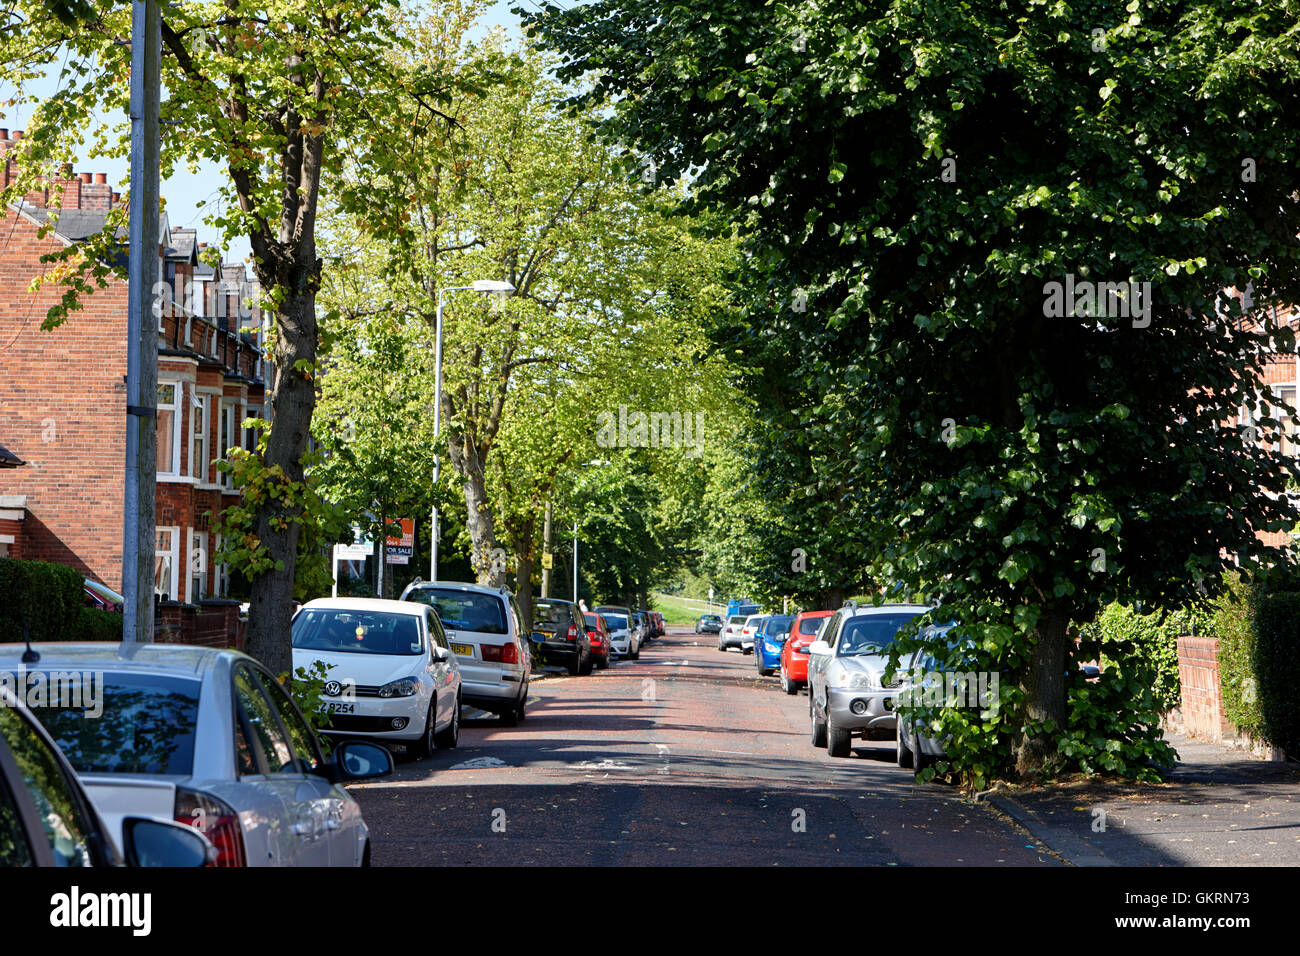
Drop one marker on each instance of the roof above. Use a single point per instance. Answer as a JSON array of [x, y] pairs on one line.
[[378, 605], [180, 659], [71, 225], [8, 459]]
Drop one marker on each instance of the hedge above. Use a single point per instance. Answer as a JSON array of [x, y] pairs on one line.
[[1146, 643], [1238, 685], [51, 595], [96, 625], [1276, 662]]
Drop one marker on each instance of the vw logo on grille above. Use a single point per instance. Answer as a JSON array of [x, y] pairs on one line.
[[333, 688]]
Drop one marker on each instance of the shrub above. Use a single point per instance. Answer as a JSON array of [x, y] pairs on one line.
[[1238, 684], [50, 597], [1276, 663], [96, 625], [1148, 642]]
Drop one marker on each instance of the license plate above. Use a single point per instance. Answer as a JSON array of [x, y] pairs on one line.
[[338, 707], [464, 650]]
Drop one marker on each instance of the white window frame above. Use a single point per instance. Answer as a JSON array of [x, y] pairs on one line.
[[227, 434], [174, 406], [200, 440], [221, 580], [173, 585]]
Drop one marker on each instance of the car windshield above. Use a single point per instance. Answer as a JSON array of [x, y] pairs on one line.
[[464, 610], [870, 633], [811, 625], [544, 612], [347, 631], [123, 723]]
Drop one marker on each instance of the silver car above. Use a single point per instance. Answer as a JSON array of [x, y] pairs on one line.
[[204, 737], [491, 643], [624, 635], [847, 696], [729, 636]]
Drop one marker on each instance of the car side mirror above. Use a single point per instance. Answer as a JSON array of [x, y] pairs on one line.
[[149, 842], [819, 648], [441, 653], [358, 760]]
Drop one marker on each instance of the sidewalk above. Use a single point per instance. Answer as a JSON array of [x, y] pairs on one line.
[[1219, 807]]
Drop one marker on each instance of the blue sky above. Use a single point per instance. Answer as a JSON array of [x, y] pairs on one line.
[[187, 195]]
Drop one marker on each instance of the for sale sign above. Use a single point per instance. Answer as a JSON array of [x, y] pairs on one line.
[[401, 550]]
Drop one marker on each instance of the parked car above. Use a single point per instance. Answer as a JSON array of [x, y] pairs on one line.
[[847, 696], [708, 624], [794, 654], [48, 819], [391, 675], [643, 625], [103, 598], [729, 636], [749, 632], [657, 628], [768, 642], [598, 634], [486, 632], [560, 633], [207, 738], [623, 634]]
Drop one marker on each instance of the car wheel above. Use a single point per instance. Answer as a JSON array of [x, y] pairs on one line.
[[919, 759], [837, 739], [634, 651], [446, 739], [588, 663], [602, 663], [787, 685], [746, 650], [722, 647], [520, 709], [818, 727], [575, 665], [902, 753], [365, 855], [424, 746]]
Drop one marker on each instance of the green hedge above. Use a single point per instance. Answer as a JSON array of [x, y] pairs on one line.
[[1276, 661], [1238, 685], [96, 625], [51, 595]]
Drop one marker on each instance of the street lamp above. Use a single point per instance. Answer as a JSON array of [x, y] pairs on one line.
[[498, 288]]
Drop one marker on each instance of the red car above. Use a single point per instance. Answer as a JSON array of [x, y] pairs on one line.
[[598, 631], [656, 624], [794, 655]]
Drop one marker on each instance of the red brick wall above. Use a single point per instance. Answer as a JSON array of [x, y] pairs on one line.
[[1202, 702], [63, 407]]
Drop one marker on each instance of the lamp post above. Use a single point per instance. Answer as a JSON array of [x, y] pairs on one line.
[[496, 287]]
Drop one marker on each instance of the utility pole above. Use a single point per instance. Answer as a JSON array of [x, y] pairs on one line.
[[139, 520], [546, 549], [575, 560]]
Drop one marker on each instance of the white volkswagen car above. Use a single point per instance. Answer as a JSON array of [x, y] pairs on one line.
[[390, 671], [204, 737]]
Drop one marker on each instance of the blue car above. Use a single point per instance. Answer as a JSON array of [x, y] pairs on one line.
[[769, 641]]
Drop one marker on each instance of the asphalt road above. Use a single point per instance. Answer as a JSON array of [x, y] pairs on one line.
[[684, 757]]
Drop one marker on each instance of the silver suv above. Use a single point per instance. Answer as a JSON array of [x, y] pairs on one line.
[[487, 635], [847, 695]]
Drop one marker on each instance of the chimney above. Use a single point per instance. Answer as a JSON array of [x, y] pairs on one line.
[[101, 177], [18, 134], [84, 177], [117, 198], [4, 133]]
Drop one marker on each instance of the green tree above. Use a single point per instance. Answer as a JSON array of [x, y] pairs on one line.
[[922, 175], [269, 93]]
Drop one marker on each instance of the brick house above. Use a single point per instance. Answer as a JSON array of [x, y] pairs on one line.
[[63, 400]]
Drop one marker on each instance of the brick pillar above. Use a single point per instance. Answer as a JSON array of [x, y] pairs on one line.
[[1202, 698]]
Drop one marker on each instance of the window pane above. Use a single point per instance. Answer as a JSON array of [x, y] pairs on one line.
[[139, 724], [65, 827], [261, 720]]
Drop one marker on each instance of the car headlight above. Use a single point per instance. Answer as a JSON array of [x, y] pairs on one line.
[[403, 687], [861, 681]]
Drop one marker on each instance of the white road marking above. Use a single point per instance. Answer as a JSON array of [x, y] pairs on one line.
[[478, 763]]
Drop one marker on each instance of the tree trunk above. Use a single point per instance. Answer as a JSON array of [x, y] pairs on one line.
[[1044, 689], [293, 399], [479, 519]]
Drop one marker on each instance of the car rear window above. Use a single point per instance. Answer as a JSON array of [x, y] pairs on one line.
[[345, 631], [811, 625], [592, 620], [739, 619], [544, 612], [144, 724], [614, 621], [775, 625], [464, 610]]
